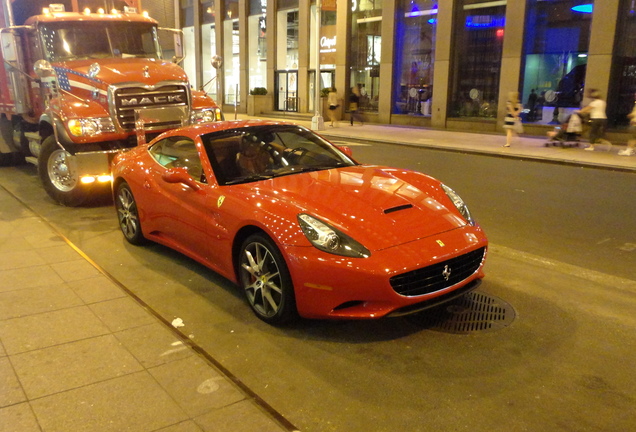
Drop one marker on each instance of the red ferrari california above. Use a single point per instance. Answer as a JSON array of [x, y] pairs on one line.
[[299, 225]]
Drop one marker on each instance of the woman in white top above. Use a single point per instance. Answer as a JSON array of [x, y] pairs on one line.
[[332, 101], [512, 121], [632, 130], [598, 119]]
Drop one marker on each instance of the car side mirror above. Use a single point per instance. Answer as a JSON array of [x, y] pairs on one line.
[[180, 175], [346, 150]]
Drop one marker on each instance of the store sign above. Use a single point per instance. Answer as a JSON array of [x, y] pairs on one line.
[[327, 45]]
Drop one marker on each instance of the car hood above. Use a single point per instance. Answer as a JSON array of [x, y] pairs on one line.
[[378, 206]]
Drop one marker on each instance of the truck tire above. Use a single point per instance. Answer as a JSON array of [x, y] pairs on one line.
[[9, 154], [58, 177]]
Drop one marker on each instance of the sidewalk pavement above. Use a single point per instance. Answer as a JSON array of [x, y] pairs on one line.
[[523, 147], [78, 352]]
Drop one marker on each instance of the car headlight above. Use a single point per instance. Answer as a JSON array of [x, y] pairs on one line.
[[91, 126], [207, 115], [328, 239], [459, 203]]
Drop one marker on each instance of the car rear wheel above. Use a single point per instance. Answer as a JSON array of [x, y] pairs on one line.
[[264, 277], [128, 215]]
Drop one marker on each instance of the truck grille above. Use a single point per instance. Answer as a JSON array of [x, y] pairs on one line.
[[128, 99], [438, 276]]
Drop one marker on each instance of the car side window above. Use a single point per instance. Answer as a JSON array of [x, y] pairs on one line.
[[177, 152]]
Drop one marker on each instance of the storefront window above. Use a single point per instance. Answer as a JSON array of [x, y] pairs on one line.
[[479, 34], [208, 48], [366, 43], [187, 24], [623, 79], [257, 44], [231, 62], [326, 47], [414, 57], [286, 79], [555, 57]]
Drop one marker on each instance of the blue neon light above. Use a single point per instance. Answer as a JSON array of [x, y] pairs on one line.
[[585, 8], [485, 21]]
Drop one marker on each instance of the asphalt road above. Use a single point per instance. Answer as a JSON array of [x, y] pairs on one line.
[[562, 256]]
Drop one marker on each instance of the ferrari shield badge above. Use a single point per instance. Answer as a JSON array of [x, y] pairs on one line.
[[219, 202]]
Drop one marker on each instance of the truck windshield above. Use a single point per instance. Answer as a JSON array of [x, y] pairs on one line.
[[94, 40]]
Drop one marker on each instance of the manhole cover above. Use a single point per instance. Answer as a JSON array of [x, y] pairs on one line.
[[474, 312]]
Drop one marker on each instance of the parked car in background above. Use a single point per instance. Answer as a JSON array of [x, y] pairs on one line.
[[297, 223]]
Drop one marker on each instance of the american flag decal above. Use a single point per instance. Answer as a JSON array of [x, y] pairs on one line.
[[62, 78]]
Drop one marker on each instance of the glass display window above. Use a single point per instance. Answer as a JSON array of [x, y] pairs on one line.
[[554, 58], [476, 63], [365, 51], [622, 93], [257, 44], [414, 57]]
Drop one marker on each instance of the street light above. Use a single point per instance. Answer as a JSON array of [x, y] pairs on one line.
[[317, 122]]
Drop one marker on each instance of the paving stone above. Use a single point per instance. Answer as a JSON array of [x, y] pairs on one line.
[[196, 386], [132, 403], [10, 390], [44, 240], [47, 329], [28, 277], [96, 289], [121, 314], [153, 344], [31, 226], [57, 254], [18, 418], [63, 367], [187, 426], [240, 417], [30, 301], [20, 259], [75, 270], [13, 244]]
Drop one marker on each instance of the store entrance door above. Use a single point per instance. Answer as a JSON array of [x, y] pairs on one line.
[[287, 91]]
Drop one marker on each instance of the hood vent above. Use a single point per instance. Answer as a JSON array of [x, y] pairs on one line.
[[398, 208]]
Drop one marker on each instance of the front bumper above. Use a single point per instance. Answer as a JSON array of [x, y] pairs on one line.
[[330, 286]]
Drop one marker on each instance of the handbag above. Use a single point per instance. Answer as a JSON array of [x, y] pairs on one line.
[[518, 126]]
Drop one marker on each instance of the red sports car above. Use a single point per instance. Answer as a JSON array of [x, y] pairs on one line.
[[298, 224]]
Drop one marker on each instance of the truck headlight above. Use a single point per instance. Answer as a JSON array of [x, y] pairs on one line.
[[91, 126], [328, 239], [459, 203], [206, 115]]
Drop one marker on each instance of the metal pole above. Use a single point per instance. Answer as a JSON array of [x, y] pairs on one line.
[[317, 122]]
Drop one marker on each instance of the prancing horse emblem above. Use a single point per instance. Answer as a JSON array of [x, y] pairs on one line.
[[446, 273]]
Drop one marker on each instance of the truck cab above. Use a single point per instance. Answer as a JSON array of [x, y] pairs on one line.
[[78, 86]]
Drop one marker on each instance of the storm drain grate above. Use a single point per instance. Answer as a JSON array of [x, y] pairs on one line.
[[474, 312]]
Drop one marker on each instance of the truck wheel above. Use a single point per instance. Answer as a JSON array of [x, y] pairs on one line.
[[58, 176], [9, 153]]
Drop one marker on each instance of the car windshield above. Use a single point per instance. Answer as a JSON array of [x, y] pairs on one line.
[[253, 153], [75, 40]]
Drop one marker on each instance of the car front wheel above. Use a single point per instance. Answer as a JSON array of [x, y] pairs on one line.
[[128, 215], [264, 277]]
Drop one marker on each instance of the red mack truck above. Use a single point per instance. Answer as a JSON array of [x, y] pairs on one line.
[[77, 83]]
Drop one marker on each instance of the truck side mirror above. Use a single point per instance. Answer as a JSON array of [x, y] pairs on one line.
[[43, 69]]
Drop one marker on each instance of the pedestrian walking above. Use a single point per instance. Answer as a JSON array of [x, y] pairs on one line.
[[332, 101], [598, 119], [354, 105], [532, 105], [512, 121], [632, 130]]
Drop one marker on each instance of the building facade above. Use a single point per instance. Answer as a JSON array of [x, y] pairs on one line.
[[434, 63]]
